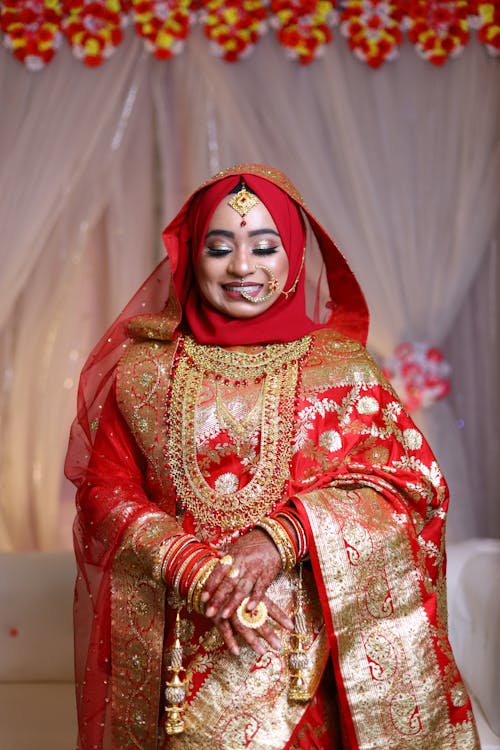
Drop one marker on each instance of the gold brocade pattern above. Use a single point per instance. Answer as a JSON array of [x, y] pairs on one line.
[[277, 366], [137, 613], [389, 667], [243, 700]]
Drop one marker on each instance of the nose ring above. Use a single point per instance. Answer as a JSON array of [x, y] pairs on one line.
[[272, 287]]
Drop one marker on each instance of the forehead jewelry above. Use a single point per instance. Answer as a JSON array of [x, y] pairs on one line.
[[272, 287], [243, 202]]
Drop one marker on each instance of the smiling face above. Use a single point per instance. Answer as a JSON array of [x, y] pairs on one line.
[[228, 260]]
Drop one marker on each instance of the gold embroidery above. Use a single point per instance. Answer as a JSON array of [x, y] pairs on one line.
[[243, 701], [244, 507], [383, 632], [137, 612]]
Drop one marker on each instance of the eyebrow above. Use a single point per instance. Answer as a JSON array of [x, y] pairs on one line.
[[231, 235]]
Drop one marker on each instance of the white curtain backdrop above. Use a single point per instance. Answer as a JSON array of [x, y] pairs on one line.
[[400, 164]]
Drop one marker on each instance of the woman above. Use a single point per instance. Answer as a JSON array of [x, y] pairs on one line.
[[260, 525]]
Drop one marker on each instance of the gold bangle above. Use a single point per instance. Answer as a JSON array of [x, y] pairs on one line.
[[196, 588], [282, 542]]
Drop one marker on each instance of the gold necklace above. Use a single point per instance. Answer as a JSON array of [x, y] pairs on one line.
[[231, 510], [239, 429]]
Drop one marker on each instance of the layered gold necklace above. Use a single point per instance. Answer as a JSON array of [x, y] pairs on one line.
[[276, 368]]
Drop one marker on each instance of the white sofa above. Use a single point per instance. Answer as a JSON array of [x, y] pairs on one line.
[[36, 643], [36, 651]]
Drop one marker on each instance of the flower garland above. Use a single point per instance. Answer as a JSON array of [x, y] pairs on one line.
[[438, 28], [373, 29], [304, 26], [94, 28], [32, 30], [233, 26], [418, 373], [163, 25], [487, 21]]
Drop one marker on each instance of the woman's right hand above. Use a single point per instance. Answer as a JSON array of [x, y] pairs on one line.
[[231, 627]]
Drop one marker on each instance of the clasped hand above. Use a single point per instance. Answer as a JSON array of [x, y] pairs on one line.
[[255, 564]]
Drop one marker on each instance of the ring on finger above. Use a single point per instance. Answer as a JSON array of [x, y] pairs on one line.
[[226, 560], [254, 619], [234, 572]]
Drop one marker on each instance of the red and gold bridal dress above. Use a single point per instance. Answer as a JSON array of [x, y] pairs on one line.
[[212, 440]]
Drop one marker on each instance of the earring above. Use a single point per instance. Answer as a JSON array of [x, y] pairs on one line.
[[272, 287]]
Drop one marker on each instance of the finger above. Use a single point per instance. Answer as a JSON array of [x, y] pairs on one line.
[[271, 636], [220, 597], [214, 580], [249, 636], [240, 591], [259, 591], [227, 633], [277, 614]]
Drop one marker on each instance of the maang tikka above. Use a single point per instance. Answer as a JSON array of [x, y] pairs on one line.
[[243, 202]]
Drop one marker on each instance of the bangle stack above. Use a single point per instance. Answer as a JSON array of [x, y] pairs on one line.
[[282, 540], [197, 584], [183, 560], [288, 517]]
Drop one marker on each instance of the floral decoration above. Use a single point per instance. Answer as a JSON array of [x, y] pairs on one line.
[[32, 30], [163, 25], [487, 22], [419, 374], [304, 26], [94, 28], [438, 28], [233, 26], [373, 29]]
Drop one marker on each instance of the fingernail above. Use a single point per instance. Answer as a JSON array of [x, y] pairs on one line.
[[205, 596], [225, 613], [276, 643], [236, 651], [251, 605], [210, 612]]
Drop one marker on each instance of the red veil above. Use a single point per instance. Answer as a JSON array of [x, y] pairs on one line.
[[332, 289]]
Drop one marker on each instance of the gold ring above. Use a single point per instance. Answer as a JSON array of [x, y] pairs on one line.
[[234, 573], [253, 619], [226, 560]]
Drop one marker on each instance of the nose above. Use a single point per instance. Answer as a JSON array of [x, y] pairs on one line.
[[240, 263]]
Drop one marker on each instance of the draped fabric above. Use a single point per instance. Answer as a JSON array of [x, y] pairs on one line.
[[399, 164]]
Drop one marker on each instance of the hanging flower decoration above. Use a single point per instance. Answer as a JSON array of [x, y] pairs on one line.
[[373, 29], [304, 26], [438, 28], [94, 28], [419, 374], [487, 23], [233, 26], [32, 30], [164, 25]]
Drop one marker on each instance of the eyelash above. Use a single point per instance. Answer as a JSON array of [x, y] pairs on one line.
[[220, 252]]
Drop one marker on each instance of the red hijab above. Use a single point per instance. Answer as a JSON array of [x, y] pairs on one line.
[[286, 318]]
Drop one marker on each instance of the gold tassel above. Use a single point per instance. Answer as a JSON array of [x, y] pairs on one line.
[[298, 660], [175, 690]]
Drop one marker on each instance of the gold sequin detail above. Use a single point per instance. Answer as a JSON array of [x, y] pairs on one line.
[[277, 365]]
